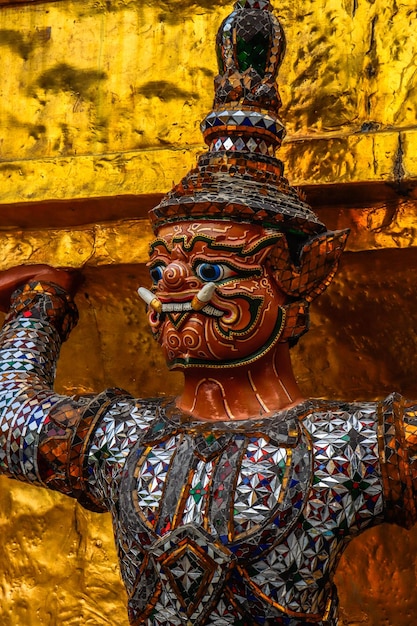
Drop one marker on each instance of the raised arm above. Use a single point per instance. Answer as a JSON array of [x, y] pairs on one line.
[[42, 434]]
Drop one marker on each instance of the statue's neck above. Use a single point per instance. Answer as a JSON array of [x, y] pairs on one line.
[[246, 392]]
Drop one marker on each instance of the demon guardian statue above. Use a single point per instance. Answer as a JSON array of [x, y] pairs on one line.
[[233, 503]]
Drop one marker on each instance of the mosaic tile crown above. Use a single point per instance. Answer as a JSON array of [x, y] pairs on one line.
[[240, 178]]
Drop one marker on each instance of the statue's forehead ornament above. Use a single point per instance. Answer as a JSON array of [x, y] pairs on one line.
[[245, 247]]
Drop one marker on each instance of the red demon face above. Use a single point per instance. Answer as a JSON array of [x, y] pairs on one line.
[[241, 321]]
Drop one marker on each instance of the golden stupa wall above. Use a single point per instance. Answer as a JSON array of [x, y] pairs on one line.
[[100, 110]]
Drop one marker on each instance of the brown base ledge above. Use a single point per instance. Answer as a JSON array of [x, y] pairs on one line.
[[80, 211]]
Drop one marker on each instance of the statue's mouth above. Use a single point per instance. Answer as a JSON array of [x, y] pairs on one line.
[[180, 307], [200, 302]]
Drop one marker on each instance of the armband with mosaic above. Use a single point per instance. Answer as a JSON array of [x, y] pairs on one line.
[[64, 441], [398, 452], [45, 301]]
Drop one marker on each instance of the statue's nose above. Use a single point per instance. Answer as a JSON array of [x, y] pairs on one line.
[[178, 275]]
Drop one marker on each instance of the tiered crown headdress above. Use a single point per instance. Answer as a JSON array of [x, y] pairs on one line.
[[239, 178]]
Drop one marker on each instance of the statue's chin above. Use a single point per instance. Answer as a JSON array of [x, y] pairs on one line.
[[187, 362], [182, 357]]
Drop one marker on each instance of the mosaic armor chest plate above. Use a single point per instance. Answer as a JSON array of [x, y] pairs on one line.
[[241, 523]]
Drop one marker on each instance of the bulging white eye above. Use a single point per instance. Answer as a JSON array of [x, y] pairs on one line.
[[213, 272], [156, 272]]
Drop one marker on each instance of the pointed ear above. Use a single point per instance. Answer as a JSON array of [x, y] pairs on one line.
[[317, 266]]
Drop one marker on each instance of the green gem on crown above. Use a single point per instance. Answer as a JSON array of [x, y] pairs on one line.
[[253, 53]]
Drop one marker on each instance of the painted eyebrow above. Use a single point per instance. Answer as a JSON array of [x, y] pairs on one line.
[[241, 249], [157, 243]]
